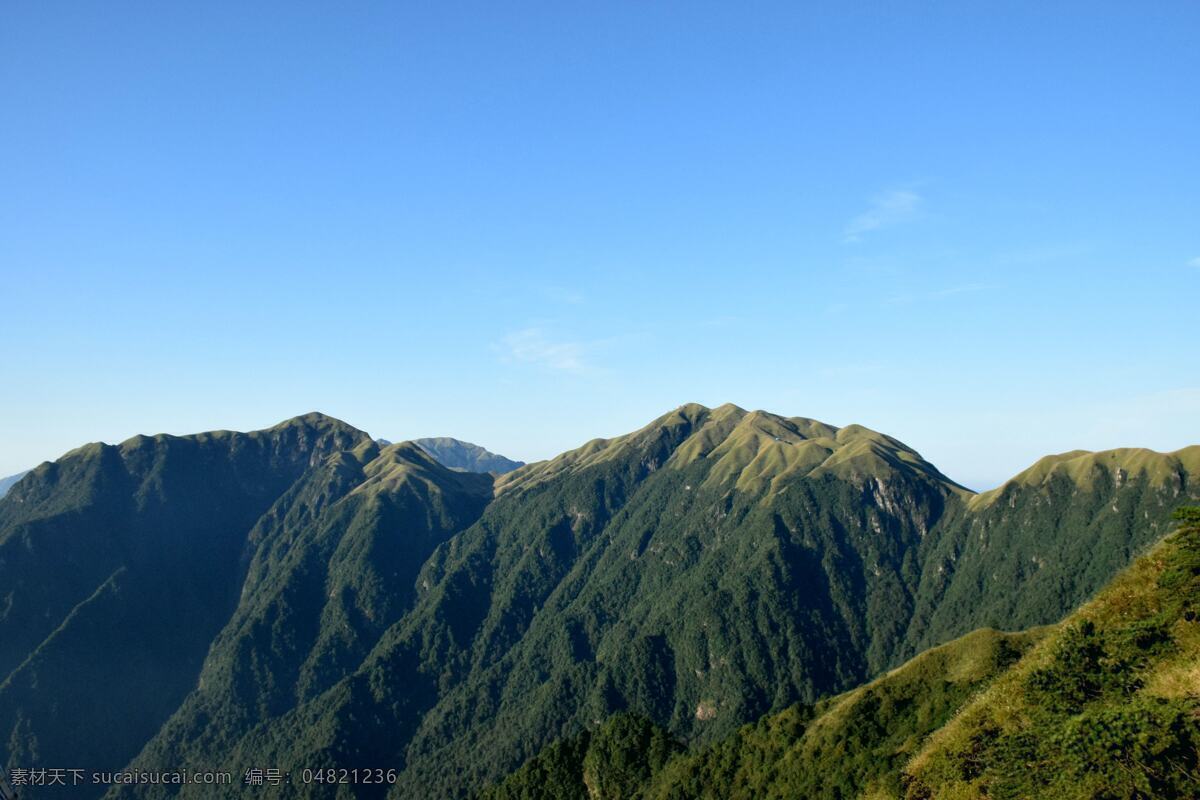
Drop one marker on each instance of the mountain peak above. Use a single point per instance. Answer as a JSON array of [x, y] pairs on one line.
[[754, 451], [318, 420]]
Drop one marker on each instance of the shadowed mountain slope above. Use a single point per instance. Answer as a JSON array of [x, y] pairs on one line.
[[122, 565], [119, 564]]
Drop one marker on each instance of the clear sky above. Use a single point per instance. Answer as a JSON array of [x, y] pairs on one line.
[[974, 226]]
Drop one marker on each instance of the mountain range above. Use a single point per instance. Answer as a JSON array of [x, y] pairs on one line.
[[305, 597]]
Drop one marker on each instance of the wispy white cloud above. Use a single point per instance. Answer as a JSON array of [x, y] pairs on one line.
[[1044, 254], [853, 370], [533, 346], [563, 294], [964, 289], [939, 294], [887, 210], [719, 321], [1195, 262]]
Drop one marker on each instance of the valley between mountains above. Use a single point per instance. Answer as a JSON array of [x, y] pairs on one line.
[[306, 597]]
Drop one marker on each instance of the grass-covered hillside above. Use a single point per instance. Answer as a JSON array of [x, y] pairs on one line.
[[1106, 707]]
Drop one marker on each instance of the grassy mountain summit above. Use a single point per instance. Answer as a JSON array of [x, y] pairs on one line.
[[359, 603], [460, 455], [751, 451]]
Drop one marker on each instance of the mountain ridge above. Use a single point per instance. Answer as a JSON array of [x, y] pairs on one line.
[[747, 445], [1081, 466]]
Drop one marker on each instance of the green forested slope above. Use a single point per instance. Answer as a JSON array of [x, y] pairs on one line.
[[614, 761], [710, 568], [1025, 553], [330, 569], [1104, 705], [122, 565], [848, 746], [852, 745]]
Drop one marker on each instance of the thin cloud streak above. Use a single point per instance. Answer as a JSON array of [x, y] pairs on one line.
[[940, 294], [533, 346], [1045, 254], [970, 287], [563, 294], [887, 210]]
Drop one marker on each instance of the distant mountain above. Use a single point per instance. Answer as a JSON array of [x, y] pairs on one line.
[[465, 456], [7, 483], [349, 603]]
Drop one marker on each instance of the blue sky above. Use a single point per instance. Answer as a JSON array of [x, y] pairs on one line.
[[975, 226]]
